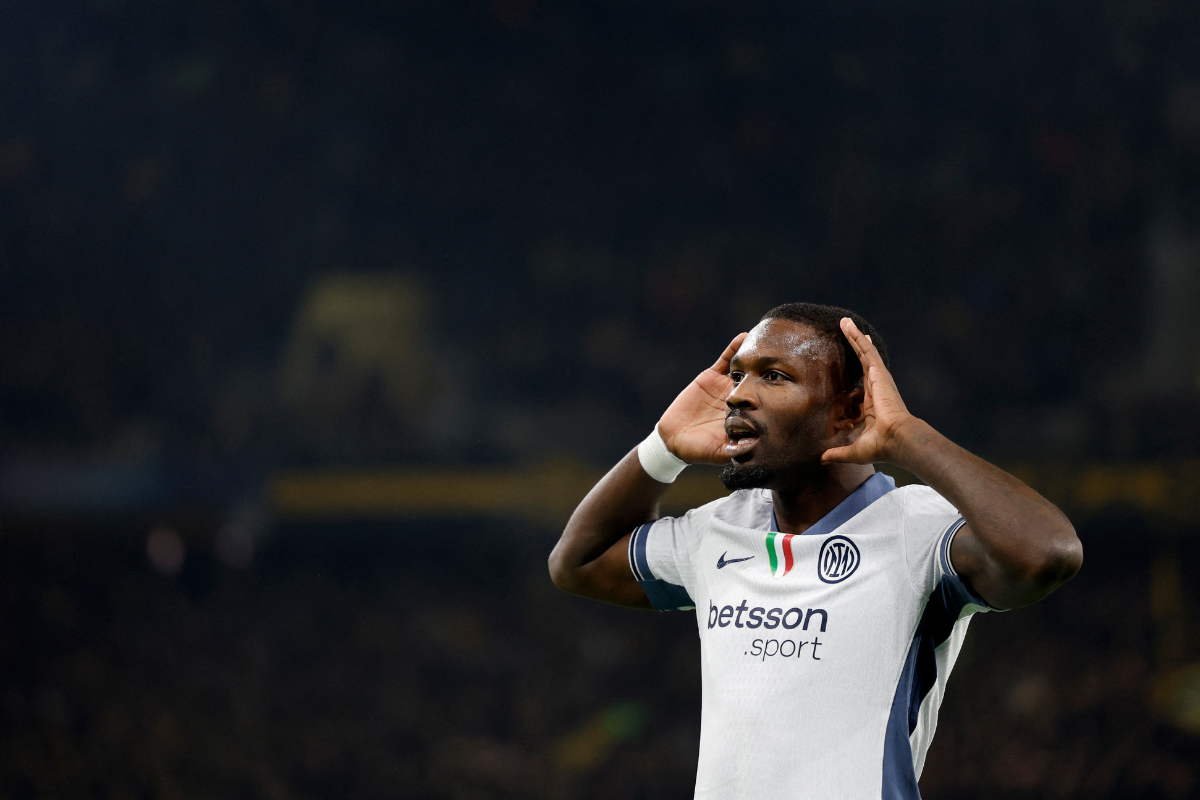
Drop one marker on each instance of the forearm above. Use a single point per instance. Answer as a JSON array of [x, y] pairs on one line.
[[623, 499], [1019, 546], [590, 558]]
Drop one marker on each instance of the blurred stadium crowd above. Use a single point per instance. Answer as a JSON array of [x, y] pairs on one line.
[[354, 663], [574, 206], [243, 237]]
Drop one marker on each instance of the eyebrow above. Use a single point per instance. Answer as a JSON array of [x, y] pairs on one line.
[[757, 360]]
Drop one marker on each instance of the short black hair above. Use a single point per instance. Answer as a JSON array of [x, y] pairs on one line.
[[827, 321]]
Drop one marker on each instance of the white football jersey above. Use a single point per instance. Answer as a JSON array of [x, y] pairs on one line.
[[825, 655]]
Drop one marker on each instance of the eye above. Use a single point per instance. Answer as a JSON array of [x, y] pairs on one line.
[[736, 377], [772, 375]]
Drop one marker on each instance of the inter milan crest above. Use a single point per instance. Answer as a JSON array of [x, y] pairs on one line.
[[838, 559], [779, 553]]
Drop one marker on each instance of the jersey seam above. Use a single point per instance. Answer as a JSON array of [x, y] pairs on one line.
[[691, 544], [702, 521], [904, 545]]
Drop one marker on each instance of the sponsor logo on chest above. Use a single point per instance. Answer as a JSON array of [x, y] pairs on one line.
[[783, 631]]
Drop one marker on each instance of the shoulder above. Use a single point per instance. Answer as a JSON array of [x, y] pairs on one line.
[[918, 495], [745, 508], [924, 508]]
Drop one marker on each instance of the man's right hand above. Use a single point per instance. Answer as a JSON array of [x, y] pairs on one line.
[[693, 426], [591, 558]]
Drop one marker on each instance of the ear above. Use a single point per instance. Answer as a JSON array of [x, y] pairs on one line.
[[849, 411]]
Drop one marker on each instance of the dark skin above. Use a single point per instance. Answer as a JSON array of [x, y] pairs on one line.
[[775, 401]]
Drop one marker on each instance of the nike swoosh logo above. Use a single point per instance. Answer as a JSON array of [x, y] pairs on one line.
[[722, 562]]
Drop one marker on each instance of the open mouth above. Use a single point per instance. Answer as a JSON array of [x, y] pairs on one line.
[[740, 438]]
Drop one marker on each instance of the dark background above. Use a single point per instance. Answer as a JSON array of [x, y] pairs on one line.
[[242, 241]]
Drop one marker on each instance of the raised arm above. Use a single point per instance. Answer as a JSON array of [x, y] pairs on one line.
[[1016, 547], [590, 557]]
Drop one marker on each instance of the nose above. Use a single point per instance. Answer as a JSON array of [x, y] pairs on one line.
[[742, 396]]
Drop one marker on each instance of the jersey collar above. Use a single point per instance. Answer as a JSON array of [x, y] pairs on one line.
[[872, 489]]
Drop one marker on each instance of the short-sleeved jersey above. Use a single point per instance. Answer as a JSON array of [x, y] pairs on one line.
[[825, 655]]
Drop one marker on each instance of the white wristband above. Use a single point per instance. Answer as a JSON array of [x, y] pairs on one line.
[[659, 462]]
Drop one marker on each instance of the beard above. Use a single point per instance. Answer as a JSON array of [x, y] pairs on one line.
[[747, 476]]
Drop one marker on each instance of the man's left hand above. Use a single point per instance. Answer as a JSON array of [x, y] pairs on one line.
[[883, 408]]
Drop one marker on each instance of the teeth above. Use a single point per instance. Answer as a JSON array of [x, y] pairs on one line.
[[736, 446]]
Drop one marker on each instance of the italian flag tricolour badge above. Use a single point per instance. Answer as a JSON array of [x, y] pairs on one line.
[[779, 553]]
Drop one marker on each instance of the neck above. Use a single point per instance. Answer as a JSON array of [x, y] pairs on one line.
[[797, 510]]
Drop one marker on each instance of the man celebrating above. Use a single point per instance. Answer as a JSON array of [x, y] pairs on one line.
[[831, 605]]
